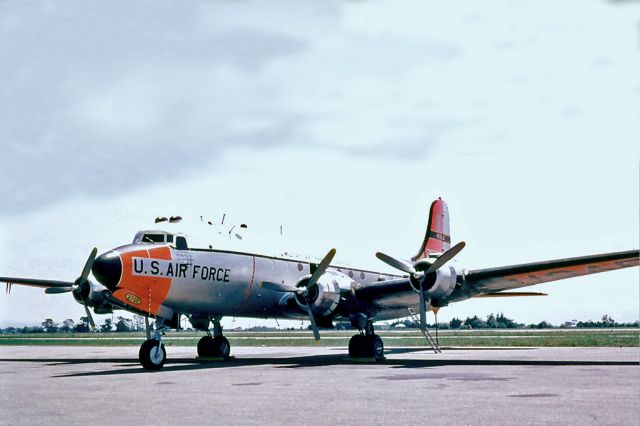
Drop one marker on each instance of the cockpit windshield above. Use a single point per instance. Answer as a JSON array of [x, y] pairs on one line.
[[161, 237], [153, 238]]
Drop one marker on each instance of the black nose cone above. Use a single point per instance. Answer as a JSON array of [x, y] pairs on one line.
[[107, 269]]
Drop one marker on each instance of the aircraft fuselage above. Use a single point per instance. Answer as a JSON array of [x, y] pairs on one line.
[[161, 280]]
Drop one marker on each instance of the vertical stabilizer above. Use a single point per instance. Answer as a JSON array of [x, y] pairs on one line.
[[437, 238]]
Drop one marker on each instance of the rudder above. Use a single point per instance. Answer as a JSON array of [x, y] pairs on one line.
[[437, 238]]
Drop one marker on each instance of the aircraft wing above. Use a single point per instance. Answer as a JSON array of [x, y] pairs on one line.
[[35, 282], [493, 280]]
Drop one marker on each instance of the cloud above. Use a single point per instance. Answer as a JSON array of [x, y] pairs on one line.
[[99, 101], [103, 99], [106, 98]]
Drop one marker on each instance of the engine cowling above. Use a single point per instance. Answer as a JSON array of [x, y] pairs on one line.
[[438, 284], [94, 296], [324, 297]]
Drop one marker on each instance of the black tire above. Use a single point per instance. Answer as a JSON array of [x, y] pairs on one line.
[[366, 347], [221, 347], [150, 358], [376, 347], [206, 348], [356, 346]]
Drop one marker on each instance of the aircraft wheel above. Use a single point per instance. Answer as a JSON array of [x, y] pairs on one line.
[[151, 356], [221, 346], [376, 347], [206, 348], [366, 347], [357, 346]]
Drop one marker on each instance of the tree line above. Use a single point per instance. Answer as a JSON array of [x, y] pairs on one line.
[[83, 325], [123, 324], [501, 321]]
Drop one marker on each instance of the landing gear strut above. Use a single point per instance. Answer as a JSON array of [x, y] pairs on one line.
[[216, 346], [366, 344], [152, 354]]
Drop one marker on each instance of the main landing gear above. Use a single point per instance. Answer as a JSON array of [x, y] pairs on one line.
[[367, 344], [152, 354], [216, 346]]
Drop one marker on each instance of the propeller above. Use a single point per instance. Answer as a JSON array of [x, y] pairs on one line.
[[304, 291], [321, 269], [83, 280], [79, 286], [418, 272]]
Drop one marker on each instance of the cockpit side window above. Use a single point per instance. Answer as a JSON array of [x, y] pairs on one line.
[[181, 243]]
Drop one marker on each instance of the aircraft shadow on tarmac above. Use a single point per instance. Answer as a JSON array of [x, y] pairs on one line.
[[131, 366]]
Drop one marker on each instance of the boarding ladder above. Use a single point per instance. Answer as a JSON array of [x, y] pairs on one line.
[[426, 333]]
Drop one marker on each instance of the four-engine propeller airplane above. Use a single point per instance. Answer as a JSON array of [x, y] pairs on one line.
[[159, 276]]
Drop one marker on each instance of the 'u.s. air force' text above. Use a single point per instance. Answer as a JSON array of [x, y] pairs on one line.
[[166, 268]]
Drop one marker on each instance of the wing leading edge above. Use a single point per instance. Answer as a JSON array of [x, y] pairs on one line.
[[35, 282], [493, 280]]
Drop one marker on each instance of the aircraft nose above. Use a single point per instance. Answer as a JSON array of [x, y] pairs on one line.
[[107, 269]]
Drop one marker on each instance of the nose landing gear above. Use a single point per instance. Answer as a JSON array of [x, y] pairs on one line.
[[152, 354]]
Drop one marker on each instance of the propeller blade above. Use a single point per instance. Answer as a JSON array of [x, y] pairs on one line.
[[396, 263], [91, 321], [445, 257], [423, 310], [435, 313], [87, 266], [57, 290], [314, 327], [322, 267]]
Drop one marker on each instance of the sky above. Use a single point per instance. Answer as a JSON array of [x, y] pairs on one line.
[[339, 121]]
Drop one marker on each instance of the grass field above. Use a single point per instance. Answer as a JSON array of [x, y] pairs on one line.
[[521, 337]]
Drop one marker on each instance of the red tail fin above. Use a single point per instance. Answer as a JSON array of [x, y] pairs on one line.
[[437, 239]]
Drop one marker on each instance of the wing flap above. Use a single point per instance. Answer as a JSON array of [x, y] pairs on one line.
[[512, 294], [509, 277]]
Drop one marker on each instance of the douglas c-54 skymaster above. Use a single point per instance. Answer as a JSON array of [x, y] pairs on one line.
[[159, 276]]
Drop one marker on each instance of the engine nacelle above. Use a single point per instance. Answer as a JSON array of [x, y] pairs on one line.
[[438, 284], [324, 297], [94, 296]]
